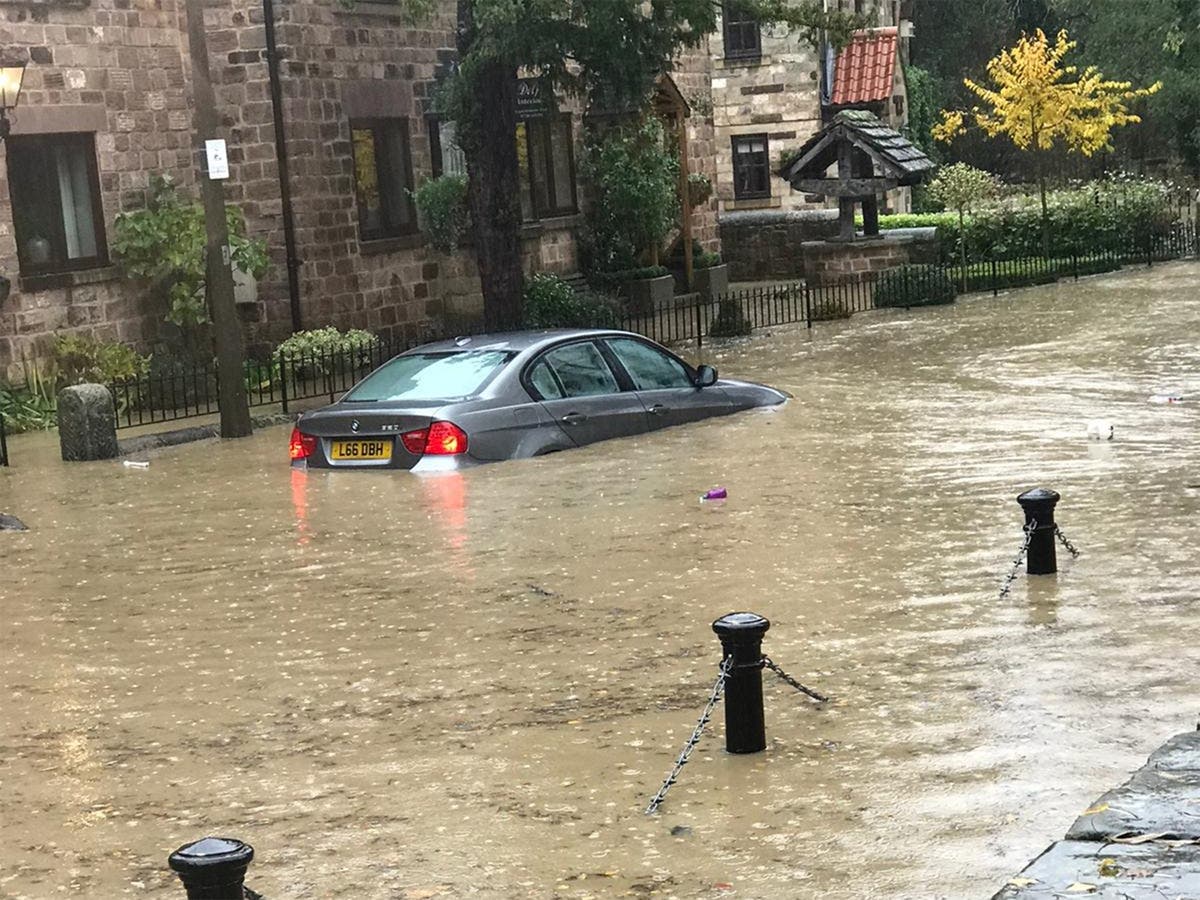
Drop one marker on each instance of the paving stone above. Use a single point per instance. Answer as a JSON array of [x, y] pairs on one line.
[[1067, 869], [1162, 796]]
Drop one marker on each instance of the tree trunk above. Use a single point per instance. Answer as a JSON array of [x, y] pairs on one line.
[[494, 181]]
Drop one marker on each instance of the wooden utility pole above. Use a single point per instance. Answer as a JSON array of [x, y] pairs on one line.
[[231, 382]]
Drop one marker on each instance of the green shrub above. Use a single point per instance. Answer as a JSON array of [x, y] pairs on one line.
[[828, 310], [634, 183], [551, 302], [914, 285], [730, 320], [81, 359], [164, 243], [706, 260], [31, 405], [1111, 216], [443, 209], [311, 351]]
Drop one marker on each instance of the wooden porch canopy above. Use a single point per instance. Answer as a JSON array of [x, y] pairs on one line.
[[871, 159], [671, 106]]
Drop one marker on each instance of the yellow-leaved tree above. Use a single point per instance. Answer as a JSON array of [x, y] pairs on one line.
[[1039, 103]]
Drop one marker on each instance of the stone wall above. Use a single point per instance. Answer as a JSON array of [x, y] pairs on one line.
[[116, 69], [835, 262], [766, 245], [119, 69], [778, 95], [693, 75]]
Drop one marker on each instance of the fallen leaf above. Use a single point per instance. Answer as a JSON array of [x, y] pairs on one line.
[[1096, 810], [1109, 868], [1132, 837], [1081, 887]]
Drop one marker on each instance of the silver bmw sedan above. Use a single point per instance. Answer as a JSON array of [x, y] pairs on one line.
[[473, 400]]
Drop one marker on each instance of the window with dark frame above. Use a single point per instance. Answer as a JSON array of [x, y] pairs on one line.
[[743, 32], [382, 178], [546, 151], [58, 216], [751, 167]]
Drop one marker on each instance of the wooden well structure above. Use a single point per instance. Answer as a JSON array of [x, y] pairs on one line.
[[871, 159]]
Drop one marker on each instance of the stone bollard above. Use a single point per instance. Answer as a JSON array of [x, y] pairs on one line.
[[213, 868], [1039, 504], [741, 637], [87, 423]]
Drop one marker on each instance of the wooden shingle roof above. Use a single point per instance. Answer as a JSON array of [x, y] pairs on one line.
[[892, 152]]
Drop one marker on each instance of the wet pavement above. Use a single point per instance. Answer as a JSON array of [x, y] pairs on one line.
[[470, 686]]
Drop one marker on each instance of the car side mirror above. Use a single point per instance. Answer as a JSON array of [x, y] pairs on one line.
[[706, 376]]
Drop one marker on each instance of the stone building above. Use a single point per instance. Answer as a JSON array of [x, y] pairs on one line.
[[106, 106], [772, 92]]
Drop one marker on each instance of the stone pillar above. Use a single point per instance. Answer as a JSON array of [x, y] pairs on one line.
[[87, 423]]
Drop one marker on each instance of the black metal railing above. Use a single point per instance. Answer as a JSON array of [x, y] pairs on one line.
[[3, 444], [284, 379]]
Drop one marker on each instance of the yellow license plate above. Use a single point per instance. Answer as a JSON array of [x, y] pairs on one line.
[[344, 451]]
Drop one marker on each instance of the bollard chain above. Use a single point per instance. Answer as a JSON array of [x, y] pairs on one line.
[[697, 733], [1063, 540], [767, 661], [1016, 566]]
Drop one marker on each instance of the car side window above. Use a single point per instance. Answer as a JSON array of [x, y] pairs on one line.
[[650, 368], [542, 380], [581, 370]]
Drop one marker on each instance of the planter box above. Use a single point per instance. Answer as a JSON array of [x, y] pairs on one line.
[[647, 295], [712, 283]]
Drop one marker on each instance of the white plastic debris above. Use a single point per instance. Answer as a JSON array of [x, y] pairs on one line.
[[1100, 430], [136, 464]]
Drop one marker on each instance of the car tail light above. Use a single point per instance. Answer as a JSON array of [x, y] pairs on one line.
[[445, 439], [414, 441], [302, 445], [439, 439]]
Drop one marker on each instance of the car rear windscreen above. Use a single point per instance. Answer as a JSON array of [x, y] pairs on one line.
[[429, 376]]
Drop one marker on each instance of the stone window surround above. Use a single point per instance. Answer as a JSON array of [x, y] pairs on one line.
[[766, 165], [65, 119], [751, 51]]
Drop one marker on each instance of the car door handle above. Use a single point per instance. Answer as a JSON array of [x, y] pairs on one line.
[[658, 410], [574, 419]]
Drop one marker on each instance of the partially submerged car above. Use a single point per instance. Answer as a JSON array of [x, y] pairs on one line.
[[473, 400]]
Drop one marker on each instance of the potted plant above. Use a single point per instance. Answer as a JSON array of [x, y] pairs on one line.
[[635, 183], [711, 275]]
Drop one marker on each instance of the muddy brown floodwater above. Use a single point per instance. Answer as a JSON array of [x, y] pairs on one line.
[[470, 686]]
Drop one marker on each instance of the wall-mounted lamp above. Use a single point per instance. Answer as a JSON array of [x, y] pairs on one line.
[[11, 77]]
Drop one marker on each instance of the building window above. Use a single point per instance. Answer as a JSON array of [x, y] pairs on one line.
[[743, 34], [448, 158], [382, 178], [546, 150], [751, 167], [57, 214]]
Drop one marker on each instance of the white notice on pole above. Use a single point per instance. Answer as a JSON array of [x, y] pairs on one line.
[[218, 161]]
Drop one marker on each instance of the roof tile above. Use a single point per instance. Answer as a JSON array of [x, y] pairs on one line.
[[866, 68]]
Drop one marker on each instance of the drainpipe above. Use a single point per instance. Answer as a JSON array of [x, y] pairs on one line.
[[281, 159]]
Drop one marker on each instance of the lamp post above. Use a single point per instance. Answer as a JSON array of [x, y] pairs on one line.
[[11, 77]]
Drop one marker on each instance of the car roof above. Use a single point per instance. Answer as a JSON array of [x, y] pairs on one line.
[[516, 341]]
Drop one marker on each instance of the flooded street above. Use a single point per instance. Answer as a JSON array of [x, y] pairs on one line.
[[470, 686]]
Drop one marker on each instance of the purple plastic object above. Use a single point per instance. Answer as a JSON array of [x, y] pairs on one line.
[[716, 494]]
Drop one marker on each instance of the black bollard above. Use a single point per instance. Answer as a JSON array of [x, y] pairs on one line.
[[213, 868], [1039, 508], [741, 637]]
